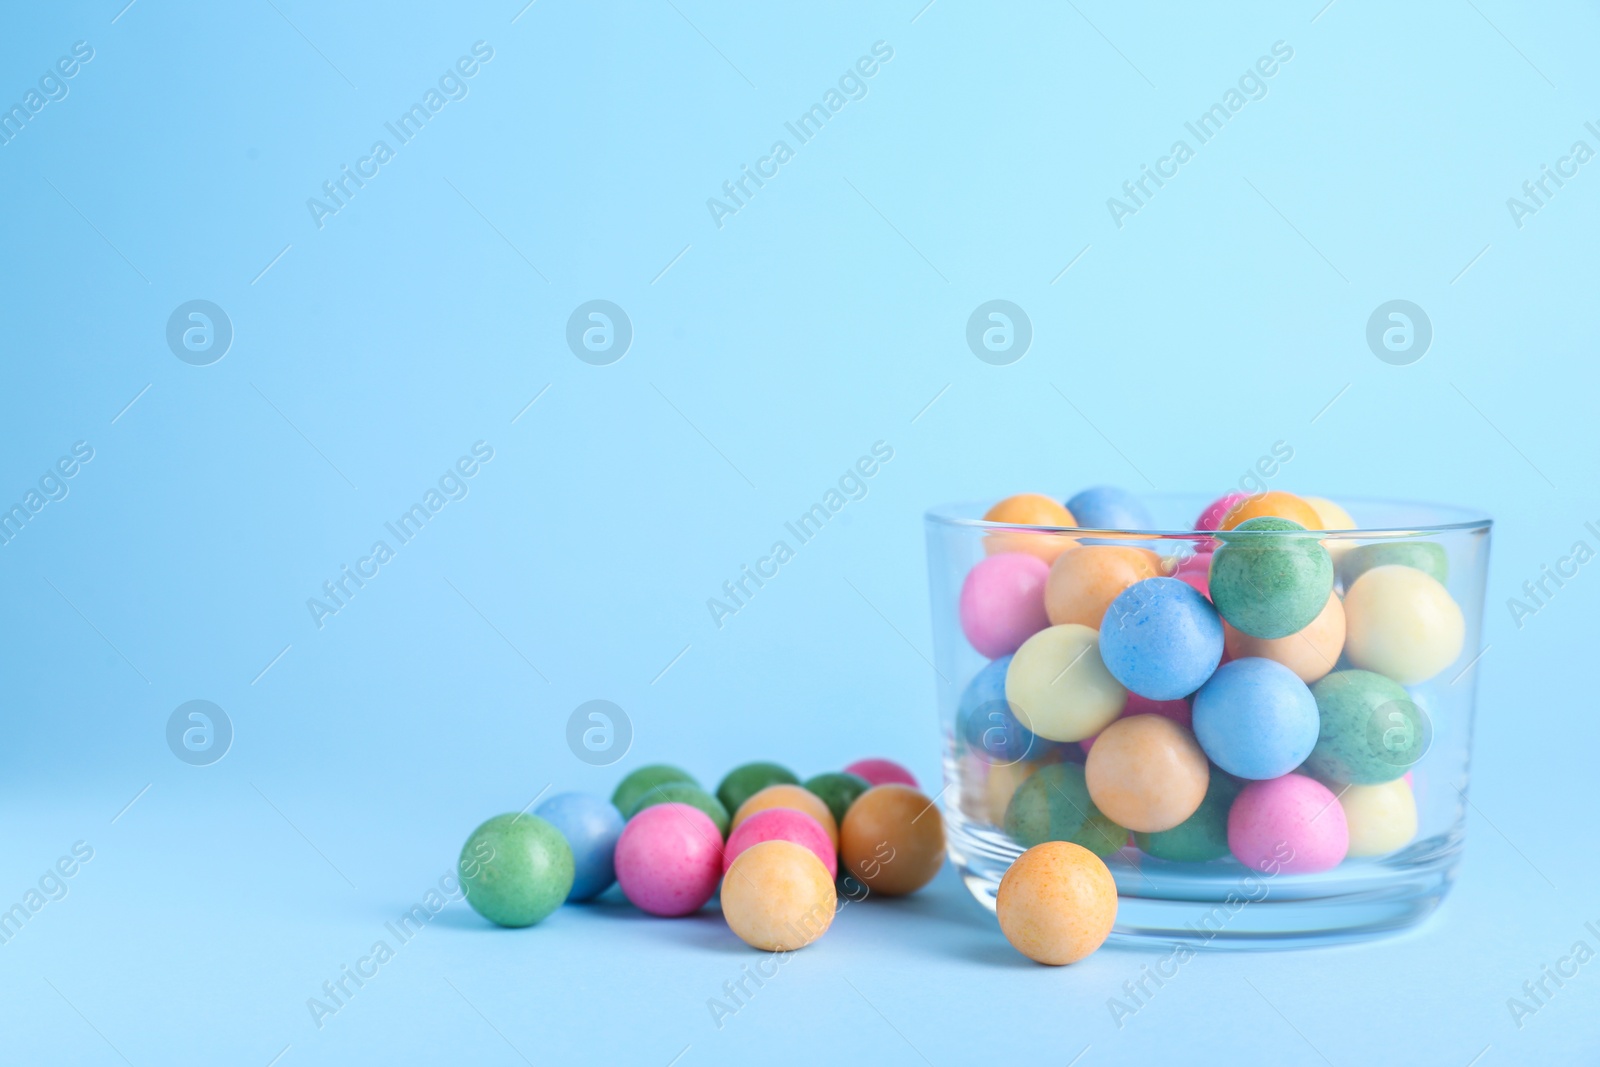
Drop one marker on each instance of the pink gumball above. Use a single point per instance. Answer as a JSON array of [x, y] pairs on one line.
[[882, 772], [1196, 571], [669, 859], [1211, 517], [1002, 602], [1292, 825], [782, 824]]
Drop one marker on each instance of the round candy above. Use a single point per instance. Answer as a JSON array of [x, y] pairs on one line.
[[1053, 804], [1290, 825], [685, 793], [1203, 836], [777, 897], [1057, 903], [1402, 623], [1195, 570], [1147, 773], [1176, 710], [1084, 582], [881, 772], [1211, 518], [1256, 719], [892, 840], [838, 790], [745, 781], [1059, 687], [987, 723], [782, 824], [516, 869], [1381, 818], [1002, 602], [1426, 556], [591, 827], [1267, 582], [1000, 784], [1310, 654], [789, 796], [639, 782], [1029, 509], [669, 859], [1274, 503], [1371, 732], [1105, 507], [1161, 639], [1331, 516]]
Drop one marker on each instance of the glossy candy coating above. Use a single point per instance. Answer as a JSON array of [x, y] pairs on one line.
[[669, 859], [1147, 773], [1267, 584], [1402, 623], [1002, 602], [1161, 639], [1255, 719], [591, 826], [1057, 903], [778, 897], [1058, 686], [516, 869]]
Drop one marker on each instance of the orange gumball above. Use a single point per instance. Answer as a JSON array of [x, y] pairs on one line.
[[1147, 773], [1084, 582], [1310, 653], [1057, 903], [1029, 509], [1276, 503]]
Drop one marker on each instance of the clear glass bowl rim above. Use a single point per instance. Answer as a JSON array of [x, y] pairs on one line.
[[970, 515]]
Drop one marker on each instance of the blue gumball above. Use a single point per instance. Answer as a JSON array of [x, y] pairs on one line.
[[987, 723], [1161, 638], [591, 826], [1105, 507], [1256, 719]]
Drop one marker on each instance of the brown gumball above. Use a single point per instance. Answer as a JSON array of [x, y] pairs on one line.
[[892, 840]]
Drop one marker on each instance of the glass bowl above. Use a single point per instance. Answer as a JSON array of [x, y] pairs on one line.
[[1221, 900]]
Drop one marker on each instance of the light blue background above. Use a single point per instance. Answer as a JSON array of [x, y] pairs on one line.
[[826, 315]]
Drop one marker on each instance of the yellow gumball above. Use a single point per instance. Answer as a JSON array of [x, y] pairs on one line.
[[1381, 818], [1059, 687], [1401, 623], [1332, 517], [777, 896]]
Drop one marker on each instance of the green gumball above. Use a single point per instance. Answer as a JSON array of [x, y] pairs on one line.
[[1054, 805], [1268, 583], [516, 869]]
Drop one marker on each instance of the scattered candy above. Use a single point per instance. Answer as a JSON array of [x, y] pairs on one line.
[[892, 840], [1105, 507], [1203, 836], [1029, 509], [516, 869], [881, 772], [1147, 773], [669, 859], [1161, 639], [1310, 653], [591, 827], [1057, 903], [1371, 730], [744, 782], [685, 793], [789, 796], [1381, 818], [838, 790], [1053, 804], [1270, 586], [1274, 503], [778, 897], [639, 782], [1292, 825], [1003, 602], [782, 824], [1401, 622], [1255, 719], [1059, 687], [1083, 583]]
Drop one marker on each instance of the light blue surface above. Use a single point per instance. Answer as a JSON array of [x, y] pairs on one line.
[[1224, 321]]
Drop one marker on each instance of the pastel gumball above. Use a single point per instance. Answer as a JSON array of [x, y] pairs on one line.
[[1057, 903], [1029, 509], [1195, 570], [685, 793], [516, 869], [1211, 518], [1429, 557], [1271, 579], [882, 772], [1176, 710], [591, 826], [748, 779], [1402, 623], [987, 724], [796, 797], [1372, 730], [892, 840], [1105, 507], [1289, 825], [838, 790], [1002, 602], [1161, 639], [782, 824], [1310, 653], [1331, 516], [1147, 773], [1059, 687], [1053, 804], [1381, 818], [778, 897], [1083, 583], [640, 781], [669, 859], [1255, 719], [1000, 783], [1276, 504], [1203, 836]]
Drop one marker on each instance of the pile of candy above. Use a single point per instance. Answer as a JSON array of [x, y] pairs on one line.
[[1246, 696], [669, 844]]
